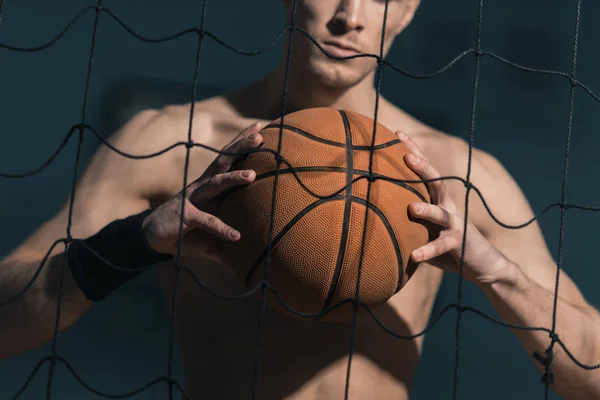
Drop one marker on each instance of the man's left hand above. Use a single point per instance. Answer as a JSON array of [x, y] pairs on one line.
[[483, 263]]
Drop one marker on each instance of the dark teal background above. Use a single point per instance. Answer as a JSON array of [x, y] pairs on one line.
[[122, 342]]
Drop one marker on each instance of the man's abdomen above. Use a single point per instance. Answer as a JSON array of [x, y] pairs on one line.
[[297, 359]]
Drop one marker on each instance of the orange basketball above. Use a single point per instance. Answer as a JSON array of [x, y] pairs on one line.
[[317, 237]]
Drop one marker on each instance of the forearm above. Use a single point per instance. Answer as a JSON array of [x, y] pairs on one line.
[[29, 320], [520, 301]]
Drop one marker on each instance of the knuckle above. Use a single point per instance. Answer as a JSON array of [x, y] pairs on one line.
[[457, 240], [219, 178], [453, 242], [215, 180], [222, 163], [439, 249], [234, 176], [228, 178], [223, 230], [438, 183], [457, 222], [210, 221], [447, 217]]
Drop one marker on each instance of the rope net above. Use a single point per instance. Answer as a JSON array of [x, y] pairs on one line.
[[78, 131]]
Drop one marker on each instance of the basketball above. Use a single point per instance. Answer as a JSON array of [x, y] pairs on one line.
[[319, 228]]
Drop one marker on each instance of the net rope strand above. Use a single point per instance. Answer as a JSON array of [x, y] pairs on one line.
[[468, 186], [81, 128], [188, 148], [278, 159], [72, 201], [548, 376], [356, 302]]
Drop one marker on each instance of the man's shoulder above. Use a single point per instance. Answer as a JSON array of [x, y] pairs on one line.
[[174, 121], [149, 150], [208, 120], [452, 153]]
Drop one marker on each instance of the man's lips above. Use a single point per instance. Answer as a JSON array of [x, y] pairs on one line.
[[338, 49]]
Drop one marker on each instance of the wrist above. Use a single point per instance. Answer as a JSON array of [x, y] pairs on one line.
[[509, 276], [151, 238], [114, 255]]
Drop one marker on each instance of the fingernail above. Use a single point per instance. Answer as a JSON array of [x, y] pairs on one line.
[[417, 255], [418, 208], [412, 158], [234, 234], [253, 136], [246, 173], [402, 135]]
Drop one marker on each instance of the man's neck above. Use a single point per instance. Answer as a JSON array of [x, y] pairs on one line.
[[263, 99]]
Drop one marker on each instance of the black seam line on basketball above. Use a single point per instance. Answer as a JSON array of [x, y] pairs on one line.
[[335, 169], [331, 142], [284, 231], [390, 230], [392, 235], [347, 209]]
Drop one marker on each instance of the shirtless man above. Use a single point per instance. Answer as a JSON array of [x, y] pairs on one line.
[[299, 359]]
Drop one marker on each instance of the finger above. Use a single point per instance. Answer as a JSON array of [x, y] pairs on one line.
[[417, 161], [219, 183], [436, 248], [249, 130], [437, 187], [432, 213], [410, 144], [246, 140], [213, 225]]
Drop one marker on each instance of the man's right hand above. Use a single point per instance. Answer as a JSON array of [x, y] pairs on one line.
[[201, 228]]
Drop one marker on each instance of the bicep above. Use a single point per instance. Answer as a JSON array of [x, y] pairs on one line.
[[107, 190], [525, 246]]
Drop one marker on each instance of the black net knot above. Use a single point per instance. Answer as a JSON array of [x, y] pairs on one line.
[[468, 185], [573, 81], [264, 284], [461, 308], [546, 361], [189, 144]]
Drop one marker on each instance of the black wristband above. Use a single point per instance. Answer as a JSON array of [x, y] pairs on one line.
[[121, 243]]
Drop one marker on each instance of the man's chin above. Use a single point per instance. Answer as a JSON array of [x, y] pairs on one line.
[[335, 76]]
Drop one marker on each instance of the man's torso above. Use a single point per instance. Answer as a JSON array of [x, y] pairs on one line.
[[296, 359]]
